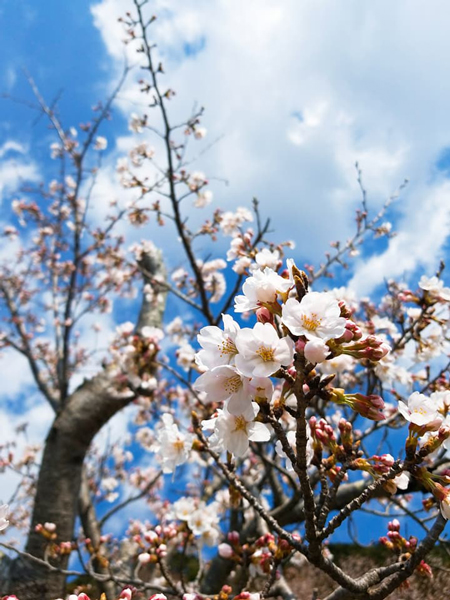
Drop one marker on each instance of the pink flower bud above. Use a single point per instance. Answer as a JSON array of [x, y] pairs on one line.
[[388, 460], [264, 315], [144, 558], [233, 537], [300, 346], [225, 550], [394, 525]]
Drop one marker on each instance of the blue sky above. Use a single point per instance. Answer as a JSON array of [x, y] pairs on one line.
[[295, 93], [369, 84]]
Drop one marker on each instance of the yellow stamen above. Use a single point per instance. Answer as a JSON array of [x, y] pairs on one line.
[[267, 354], [311, 322], [227, 347], [232, 384], [240, 423], [178, 444]]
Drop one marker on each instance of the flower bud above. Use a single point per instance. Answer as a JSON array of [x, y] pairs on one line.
[[144, 558], [394, 525], [225, 550], [263, 315], [233, 537]]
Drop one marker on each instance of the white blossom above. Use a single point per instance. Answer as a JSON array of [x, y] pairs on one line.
[[420, 409], [402, 480], [200, 133], [183, 508], [231, 222], [185, 356], [233, 432], [242, 265], [101, 143], [261, 287], [261, 351], [317, 315], [435, 287], [173, 447], [218, 347], [266, 258], [203, 198], [445, 507], [135, 124], [292, 439], [225, 383], [4, 511], [316, 351]]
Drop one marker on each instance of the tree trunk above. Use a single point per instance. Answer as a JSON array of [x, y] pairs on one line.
[[83, 415]]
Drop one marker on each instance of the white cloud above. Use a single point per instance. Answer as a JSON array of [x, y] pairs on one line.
[[425, 233], [365, 83], [19, 377], [12, 145], [13, 173]]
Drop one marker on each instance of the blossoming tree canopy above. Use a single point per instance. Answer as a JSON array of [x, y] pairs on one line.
[[280, 407]]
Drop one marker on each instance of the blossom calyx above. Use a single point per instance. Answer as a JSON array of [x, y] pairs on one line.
[[370, 406]]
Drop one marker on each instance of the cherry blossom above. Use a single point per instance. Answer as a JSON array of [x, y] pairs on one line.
[[435, 287], [266, 258], [420, 410], [231, 222], [200, 133], [261, 351], [317, 315], [225, 383], [101, 143], [291, 438], [173, 447], [316, 351], [234, 432], [261, 287], [445, 507], [219, 347], [4, 510]]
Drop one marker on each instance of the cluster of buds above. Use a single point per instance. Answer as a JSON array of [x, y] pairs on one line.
[[261, 554], [126, 594], [53, 550], [248, 596], [154, 543], [436, 485], [346, 432], [375, 465], [47, 530], [370, 348], [323, 435], [404, 548], [434, 442], [370, 406], [133, 357], [395, 542], [95, 552]]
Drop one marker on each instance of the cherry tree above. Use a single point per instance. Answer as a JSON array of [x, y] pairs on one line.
[[288, 404]]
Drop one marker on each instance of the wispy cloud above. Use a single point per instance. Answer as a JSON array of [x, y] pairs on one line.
[[366, 81], [15, 170]]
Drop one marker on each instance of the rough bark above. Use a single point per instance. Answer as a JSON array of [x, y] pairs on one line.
[[84, 414]]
